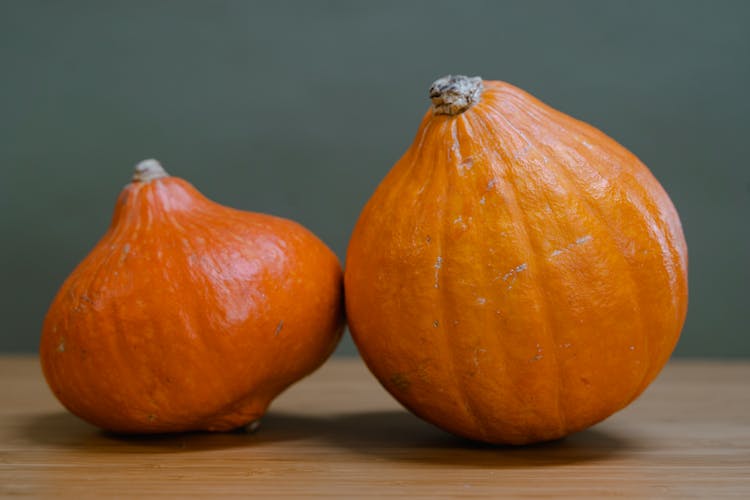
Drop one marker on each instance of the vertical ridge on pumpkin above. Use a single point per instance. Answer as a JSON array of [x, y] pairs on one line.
[[638, 185], [674, 277], [531, 251], [449, 162], [647, 221], [490, 316], [633, 288], [500, 172], [606, 223]]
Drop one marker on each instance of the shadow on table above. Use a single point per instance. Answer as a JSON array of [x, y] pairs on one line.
[[386, 435], [400, 436], [64, 430]]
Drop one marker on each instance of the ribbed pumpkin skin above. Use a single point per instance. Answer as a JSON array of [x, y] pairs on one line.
[[188, 315], [518, 275]]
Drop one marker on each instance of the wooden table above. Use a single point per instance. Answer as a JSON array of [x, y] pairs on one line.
[[337, 433]]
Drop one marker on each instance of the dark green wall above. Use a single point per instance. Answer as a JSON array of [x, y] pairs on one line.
[[299, 108]]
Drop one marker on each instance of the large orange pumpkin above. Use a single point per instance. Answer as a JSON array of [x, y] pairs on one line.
[[518, 275], [189, 315]]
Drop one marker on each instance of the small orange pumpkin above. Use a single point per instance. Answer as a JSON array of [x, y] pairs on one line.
[[189, 315], [518, 275]]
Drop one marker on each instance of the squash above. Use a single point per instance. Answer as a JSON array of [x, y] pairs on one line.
[[188, 315], [518, 275]]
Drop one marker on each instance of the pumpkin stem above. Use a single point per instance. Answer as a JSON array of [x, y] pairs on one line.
[[148, 170], [454, 94]]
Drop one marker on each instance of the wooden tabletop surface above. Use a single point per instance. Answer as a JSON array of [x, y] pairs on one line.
[[337, 433]]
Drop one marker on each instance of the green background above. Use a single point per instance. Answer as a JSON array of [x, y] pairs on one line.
[[300, 108]]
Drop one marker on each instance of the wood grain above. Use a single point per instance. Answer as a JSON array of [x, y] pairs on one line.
[[337, 433]]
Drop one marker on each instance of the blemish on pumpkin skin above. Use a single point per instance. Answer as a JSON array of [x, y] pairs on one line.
[[510, 276], [435, 323], [477, 352], [61, 346], [400, 381], [481, 301], [151, 417], [513, 271], [125, 252], [463, 167], [437, 266], [632, 348], [521, 153], [83, 301], [422, 372], [278, 328], [459, 221], [538, 353], [579, 241]]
